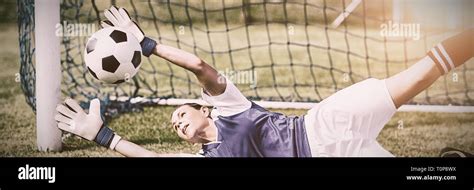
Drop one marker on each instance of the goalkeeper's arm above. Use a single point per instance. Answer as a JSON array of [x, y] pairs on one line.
[[73, 119], [131, 149], [208, 77]]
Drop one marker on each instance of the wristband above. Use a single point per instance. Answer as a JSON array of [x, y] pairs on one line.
[[104, 136], [148, 45], [115, 141]]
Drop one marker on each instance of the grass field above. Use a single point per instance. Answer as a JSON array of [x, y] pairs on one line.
[[423, 134]]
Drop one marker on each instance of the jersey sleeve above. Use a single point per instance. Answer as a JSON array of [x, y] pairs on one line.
[[230, 102]]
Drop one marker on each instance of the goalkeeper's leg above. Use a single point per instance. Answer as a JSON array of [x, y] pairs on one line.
[[444, 57]]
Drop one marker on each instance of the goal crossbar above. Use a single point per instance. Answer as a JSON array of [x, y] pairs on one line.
[[301, 105]]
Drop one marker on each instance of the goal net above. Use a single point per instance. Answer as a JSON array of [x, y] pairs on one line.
[[274, 50]]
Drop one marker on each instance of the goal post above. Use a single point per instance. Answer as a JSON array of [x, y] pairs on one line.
[[48, 74], [345, 13]]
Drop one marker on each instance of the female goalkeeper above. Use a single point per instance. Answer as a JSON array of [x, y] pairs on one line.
[[344, 124]]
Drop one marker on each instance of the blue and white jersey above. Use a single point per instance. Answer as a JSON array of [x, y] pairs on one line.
[[244, 129]]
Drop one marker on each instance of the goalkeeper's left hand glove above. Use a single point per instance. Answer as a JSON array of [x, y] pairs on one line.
[[72, 118], [120, 18]]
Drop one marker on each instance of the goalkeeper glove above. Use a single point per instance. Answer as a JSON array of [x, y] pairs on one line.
[[120, 18], [72, 118]]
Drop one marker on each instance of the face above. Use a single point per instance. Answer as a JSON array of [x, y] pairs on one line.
[[188, 122]]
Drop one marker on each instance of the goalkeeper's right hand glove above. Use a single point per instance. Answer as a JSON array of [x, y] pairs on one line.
[[72, 118], [120, 18]]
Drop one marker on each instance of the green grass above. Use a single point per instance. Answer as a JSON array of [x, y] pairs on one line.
[[423, 134]]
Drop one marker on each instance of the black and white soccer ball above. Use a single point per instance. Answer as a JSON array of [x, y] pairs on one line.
[[112, 55]]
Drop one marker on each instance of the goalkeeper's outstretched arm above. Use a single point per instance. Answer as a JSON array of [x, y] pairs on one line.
[[73, 119], [130, 149], [208, 77]]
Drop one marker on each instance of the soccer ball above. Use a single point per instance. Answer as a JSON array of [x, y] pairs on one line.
[[112, 55]]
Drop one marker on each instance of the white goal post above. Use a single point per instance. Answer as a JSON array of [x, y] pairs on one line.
[[345, 13], [48, 74]]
